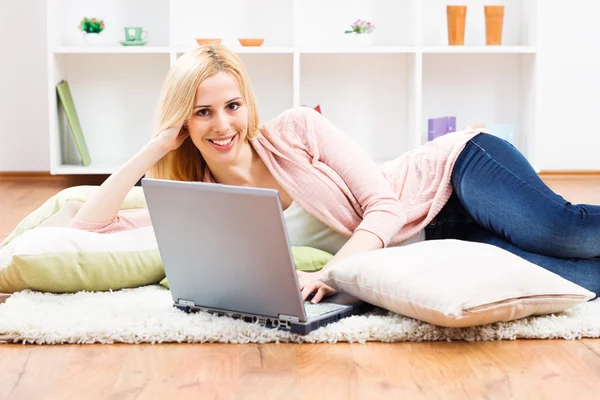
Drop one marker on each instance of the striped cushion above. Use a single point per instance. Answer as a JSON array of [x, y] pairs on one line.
[[61, 260]]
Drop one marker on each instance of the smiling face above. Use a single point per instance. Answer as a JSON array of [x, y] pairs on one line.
[[219, 122], [214, 78]]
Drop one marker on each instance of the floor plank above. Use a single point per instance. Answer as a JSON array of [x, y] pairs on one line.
[[593, 345], [578, 189], [19, 198], [523, 369], [456, 370]]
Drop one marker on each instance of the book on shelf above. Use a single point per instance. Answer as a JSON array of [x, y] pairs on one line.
[[437, 127], [66, 99]]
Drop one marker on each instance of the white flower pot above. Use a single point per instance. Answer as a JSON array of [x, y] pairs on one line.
[[359, 39], [92, 39], [363, 39]]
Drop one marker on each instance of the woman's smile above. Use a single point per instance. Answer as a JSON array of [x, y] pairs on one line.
[[223, 144]]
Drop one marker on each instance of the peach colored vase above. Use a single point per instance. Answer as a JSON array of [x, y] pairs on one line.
[[494, 18], [456, 16]]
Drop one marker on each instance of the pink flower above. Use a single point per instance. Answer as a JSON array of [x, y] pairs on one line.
[[361, 26]]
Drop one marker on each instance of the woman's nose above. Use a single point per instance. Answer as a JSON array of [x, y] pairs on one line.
[[221, 122]]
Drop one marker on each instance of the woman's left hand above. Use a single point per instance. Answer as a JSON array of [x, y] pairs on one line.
[[310, 283]]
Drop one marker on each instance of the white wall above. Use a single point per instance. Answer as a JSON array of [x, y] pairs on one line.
[[569, 85], [23, 98]]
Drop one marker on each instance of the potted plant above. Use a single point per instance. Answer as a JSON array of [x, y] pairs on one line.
[[91, 29], [361, 30]]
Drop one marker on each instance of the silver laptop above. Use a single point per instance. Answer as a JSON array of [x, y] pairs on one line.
[[225, 250]]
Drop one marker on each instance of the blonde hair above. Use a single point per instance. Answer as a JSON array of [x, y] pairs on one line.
[[177, 102]]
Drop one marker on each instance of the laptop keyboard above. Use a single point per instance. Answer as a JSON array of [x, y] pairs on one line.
[[316, 310]]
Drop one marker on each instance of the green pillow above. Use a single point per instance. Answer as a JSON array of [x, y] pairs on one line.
[[306, 259], [309, 259], [42, 254], [67, 260]]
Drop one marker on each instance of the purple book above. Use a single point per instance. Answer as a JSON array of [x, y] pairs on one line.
[[440, 126], [450, 124]]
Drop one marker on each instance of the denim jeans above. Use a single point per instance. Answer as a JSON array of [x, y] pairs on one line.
[[499, 199]]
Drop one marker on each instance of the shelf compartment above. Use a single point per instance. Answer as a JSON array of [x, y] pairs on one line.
[[349, 49], [92, 169], [152, 15], [489, 89], [115, 97], [394, 20], [519, 28], [370, 98], [112, 50], [244, 50], [231, 20], [480, 49], [271, 77]]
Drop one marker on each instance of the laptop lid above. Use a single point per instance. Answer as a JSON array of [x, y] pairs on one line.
[[225, 247]]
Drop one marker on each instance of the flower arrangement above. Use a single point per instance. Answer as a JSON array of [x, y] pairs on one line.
[[361, 26], [91, 25]]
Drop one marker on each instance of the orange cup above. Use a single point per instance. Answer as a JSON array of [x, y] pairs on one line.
[[456, 16], [494, 18]]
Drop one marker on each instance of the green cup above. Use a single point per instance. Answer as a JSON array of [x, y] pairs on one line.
[[135, 34]]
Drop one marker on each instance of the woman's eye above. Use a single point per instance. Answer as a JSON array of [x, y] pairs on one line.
[[233, 106], [202, 113]]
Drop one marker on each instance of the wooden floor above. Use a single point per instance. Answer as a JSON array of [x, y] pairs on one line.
[[524, 369]]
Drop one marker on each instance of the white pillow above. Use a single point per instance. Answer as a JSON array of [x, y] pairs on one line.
[[454, 283]]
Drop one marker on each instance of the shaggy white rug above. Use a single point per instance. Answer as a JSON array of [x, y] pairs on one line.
[[146, 315]]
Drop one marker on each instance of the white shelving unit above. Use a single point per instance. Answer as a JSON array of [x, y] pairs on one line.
[[380, 94]]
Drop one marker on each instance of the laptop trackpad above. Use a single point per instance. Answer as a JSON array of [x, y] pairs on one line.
[[341, 298]]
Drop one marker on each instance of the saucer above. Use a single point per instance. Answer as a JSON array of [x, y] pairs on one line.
[[133, 42]]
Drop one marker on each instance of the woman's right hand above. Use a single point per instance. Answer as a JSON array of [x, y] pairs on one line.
[[172, 138], [103, 206]]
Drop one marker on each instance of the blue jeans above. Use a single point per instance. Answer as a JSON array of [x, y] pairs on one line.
[[499, 199]]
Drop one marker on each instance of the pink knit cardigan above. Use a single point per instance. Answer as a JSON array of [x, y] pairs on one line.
[[332, 178]]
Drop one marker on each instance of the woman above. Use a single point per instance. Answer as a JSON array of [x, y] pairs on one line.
[[467, 185]]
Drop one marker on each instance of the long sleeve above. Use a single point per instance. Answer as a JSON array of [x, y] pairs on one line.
[[383, 213], [125, 220]]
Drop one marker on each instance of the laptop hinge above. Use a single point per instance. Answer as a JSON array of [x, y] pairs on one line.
[[289, 318], [182, 302]]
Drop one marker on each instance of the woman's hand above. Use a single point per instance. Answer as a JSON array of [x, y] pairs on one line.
[[310, 283], [172, 138], [105, 203]]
